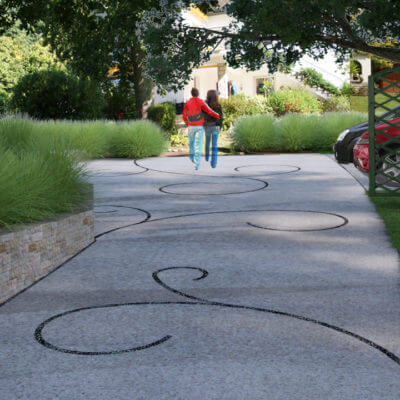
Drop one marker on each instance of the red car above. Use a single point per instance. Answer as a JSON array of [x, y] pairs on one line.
[[390, 156]]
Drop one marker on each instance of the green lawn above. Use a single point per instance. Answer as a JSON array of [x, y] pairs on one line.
[[389, 209], [360, 103]]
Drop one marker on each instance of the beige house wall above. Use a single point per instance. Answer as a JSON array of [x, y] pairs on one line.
[[216, 73]]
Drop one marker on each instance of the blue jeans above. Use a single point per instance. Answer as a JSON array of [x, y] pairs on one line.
[[195, 134], [212, 136]]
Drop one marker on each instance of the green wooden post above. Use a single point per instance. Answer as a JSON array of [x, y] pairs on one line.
[[384, 155], [371, 130]]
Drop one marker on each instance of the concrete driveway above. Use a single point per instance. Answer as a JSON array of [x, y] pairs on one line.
[[268, 278]]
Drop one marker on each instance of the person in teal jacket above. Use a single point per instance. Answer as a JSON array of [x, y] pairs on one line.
[[212, 127]]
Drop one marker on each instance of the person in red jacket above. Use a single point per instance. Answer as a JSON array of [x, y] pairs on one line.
[[193, 115]]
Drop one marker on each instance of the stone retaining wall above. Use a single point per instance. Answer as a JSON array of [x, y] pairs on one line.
[[33, 251]]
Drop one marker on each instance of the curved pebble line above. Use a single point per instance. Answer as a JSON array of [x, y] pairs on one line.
[[218, 176], [296, 169], [345, 221], [198, 301], [162, 188]]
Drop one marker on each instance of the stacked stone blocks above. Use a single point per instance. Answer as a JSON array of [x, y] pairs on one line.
[[31, 252]]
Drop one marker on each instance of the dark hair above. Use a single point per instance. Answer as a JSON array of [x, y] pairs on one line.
[[195, 92], [212, 98]]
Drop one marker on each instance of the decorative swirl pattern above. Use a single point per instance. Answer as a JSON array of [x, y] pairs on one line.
[[196, 301], [147, 216], [163, 189], [148, 219], [292, 168], [343, 222], [237, 169]]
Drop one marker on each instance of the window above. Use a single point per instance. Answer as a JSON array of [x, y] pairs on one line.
[[264, 86]]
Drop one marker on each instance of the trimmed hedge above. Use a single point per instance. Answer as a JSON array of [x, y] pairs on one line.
[[292, 132], [164, 115]]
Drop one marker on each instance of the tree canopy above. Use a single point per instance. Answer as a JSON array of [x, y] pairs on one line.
[[20, 54], [268, 31], [92, 36]]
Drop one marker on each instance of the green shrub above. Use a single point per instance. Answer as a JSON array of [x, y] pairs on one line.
[[347, 90], [240, 105], [255, 133], [179, 139], [314, 79], [294, 101], [267, 87], [52, 94], [336, 103], [22, 53], [120, 104], [293, 132], [164, 115], [4, 101]]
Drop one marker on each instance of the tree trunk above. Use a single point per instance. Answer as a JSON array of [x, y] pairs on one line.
[[137, 76]]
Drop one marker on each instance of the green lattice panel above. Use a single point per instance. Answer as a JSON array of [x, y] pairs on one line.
[[384, 123]]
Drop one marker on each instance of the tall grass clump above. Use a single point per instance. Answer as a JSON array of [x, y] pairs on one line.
[[39, 177], [293, 132], [255, 133], [91, 139], [98, 139], [136, 140], [41, 162]]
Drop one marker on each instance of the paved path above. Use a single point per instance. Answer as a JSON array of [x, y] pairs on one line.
[[285, 288]]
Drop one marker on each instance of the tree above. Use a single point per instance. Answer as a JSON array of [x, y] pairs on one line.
[[50, 94], [92, 36], [268, 31], [20, 54]]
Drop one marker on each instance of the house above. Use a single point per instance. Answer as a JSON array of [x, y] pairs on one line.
[[216, 74], [359, 77]]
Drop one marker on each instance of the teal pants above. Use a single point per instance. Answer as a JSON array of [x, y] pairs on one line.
[[195, 134], [212, 138]]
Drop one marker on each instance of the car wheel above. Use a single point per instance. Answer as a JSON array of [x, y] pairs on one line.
[[389, 168], [391, 165]]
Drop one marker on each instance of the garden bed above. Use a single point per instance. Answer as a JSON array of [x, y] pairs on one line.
[[41, 162]]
